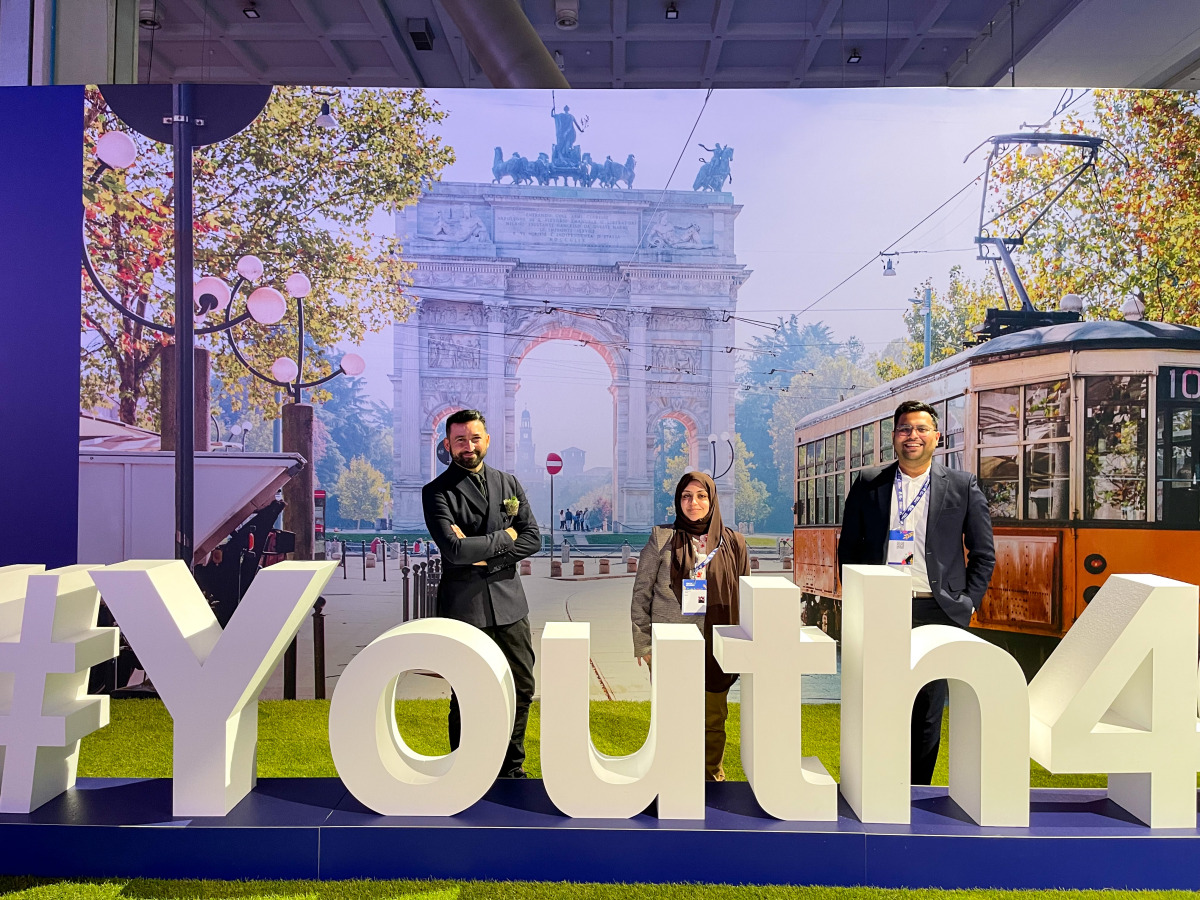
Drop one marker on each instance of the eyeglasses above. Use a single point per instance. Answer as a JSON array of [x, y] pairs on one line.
[[906, 430]]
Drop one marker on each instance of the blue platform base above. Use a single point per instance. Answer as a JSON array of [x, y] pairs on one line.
[[312, 828]]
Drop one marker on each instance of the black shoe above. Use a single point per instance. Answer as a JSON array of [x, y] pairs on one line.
[[518, 772]]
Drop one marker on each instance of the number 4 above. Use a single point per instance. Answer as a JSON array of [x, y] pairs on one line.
[[1118, 695]]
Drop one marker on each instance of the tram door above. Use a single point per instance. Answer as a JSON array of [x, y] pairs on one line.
[[1178, 458]]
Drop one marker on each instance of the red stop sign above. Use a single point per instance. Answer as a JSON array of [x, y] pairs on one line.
[[553, 463]]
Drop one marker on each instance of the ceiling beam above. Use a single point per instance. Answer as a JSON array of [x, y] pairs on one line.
[[394, 46], [923, 21], [825, 16], [255, 70], [616, 33], [987, 61]]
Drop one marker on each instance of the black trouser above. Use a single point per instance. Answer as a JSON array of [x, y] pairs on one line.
[[929, 705], [517, 645]]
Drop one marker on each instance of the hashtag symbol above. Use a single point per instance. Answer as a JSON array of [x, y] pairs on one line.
[[48, 642]]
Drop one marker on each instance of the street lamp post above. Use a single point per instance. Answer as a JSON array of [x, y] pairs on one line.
[[712, 442]]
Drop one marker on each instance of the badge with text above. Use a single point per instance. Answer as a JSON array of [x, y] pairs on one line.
[[695, 596], [902, 544]]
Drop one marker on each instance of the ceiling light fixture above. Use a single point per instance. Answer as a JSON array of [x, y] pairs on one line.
[[855, 57], [250, 11], [888, 269], [559, 61], [672, 12]]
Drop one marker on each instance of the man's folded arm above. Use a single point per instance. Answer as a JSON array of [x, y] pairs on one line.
[[529, 536], [464, 551]]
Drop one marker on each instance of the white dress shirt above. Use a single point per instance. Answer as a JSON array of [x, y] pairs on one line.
[[916, 522]]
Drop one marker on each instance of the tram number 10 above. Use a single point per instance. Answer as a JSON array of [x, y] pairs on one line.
[[1178, 384]]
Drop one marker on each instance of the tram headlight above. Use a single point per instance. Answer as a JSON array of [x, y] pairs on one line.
[[1094, 563]]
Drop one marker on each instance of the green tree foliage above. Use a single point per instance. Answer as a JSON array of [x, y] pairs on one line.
[[956, 313], [766, 374], [833, 378], [297, 196], [1130, 227], [750, 494], [361, 491]]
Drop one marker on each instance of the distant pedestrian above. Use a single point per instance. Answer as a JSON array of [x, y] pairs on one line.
[[583, 518], [562, 520]]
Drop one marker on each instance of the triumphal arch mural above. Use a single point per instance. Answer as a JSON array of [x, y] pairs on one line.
[[649, 279]]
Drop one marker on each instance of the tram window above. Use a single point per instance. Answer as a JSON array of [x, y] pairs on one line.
[[841, 496], [998, 471], [868, 444], [886, 452], [810, 467], [855, 448], [1047, 410], [840, 445], [830, 453], [999, 413], [819, 462], [1115, 449], [953, 427], [1047, 481], [830, 501], [811, 510], [1177, 494], [953, 459]]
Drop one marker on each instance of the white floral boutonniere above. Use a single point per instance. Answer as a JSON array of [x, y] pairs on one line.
[[511, 505]]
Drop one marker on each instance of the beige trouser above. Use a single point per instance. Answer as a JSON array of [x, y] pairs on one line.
[[716, 709]]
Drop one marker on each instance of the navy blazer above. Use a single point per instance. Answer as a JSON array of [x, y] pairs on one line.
[[957, 516], [469, 592]]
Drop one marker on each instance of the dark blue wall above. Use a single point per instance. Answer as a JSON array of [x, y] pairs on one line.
[[41, 163]]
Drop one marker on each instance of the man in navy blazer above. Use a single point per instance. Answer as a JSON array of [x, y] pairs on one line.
[[918, 514], [482, 524]]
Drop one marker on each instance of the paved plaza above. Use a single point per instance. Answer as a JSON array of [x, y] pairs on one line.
[[359, 610]]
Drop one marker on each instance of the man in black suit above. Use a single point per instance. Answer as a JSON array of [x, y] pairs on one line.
[[483, 526], [917, 514]]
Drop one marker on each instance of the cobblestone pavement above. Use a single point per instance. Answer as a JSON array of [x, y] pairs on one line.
[[360, 610]]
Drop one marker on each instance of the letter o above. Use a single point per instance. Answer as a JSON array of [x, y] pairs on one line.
[[372, 758]]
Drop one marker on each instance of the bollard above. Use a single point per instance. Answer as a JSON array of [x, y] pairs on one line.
[[432, 586], [383, 559], [578, 569], [363, 548], [343, 562], [604, 567], [631, 566], [753, 563], [626, 551], [787, 563], [565, 552], [404, 550], [405, 610], [526, 567], [555, 569], [318, 618]]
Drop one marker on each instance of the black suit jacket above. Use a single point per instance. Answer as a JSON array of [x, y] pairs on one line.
[[958, 516], [480, 595]]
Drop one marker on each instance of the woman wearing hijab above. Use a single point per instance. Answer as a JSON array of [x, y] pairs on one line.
[[696, 547]]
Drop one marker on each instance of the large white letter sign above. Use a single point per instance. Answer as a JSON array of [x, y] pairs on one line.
[[1118, 695], [371, 755], [585, 783], [772, 650], [210, 680], [884, 663], [48, 642]]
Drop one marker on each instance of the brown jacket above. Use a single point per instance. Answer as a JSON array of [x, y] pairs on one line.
[[654, 601]]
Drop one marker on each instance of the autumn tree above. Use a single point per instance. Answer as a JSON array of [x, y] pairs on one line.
[[361, 491], [1127, 227], [750, 495], [297, 196]]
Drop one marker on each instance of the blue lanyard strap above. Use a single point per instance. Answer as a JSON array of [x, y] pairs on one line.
[[704, 562], [904, 512]]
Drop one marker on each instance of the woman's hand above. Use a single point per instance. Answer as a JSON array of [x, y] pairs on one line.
[[646, 658]]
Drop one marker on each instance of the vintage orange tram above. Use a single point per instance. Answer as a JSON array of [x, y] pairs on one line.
[[1085, 437]]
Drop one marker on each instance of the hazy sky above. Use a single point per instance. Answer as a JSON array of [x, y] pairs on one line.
[[826, 179]]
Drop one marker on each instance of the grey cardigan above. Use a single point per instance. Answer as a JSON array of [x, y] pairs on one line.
[[653, 599]]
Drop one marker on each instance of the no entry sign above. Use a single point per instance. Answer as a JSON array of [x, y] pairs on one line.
[[553, 463]]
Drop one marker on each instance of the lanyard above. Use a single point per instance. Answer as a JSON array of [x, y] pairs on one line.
[[900, 508], [704, 562]]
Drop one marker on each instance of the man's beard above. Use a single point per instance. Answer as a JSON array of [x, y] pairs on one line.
[[469, 459]]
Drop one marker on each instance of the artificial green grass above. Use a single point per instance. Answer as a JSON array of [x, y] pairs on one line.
[[152, 889], [293, 739]]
